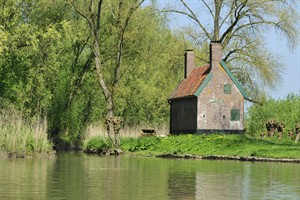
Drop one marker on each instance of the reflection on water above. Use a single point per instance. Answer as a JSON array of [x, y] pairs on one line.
[[79, 176], [24, 179]]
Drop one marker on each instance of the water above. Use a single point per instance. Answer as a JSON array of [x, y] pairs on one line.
[[79, 176]]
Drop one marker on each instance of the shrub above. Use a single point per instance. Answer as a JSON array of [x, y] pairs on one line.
[[283, 110], [96, 144]]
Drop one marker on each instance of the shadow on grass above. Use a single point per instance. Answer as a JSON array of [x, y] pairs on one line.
[[273, 142]]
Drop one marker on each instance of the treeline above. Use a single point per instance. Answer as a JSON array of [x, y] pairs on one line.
[[47, 69]]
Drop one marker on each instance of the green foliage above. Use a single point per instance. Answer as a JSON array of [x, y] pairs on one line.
[[152, 66], [43, 67], [96, 145], [143, 144], [47, 69], [214, 144], [283, 110]]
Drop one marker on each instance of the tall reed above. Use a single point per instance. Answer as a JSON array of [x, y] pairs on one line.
[[96, 133], [127, 131], [21, 139]]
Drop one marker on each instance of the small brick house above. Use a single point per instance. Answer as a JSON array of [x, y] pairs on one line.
[[209, 99]]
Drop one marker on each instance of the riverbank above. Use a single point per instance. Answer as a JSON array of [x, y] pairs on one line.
[[21, 139], [215, 146], [239, 158]]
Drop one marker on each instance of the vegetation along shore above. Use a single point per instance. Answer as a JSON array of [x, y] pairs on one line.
[[255, 145], [22, 139], [69, 66], [214, 146]]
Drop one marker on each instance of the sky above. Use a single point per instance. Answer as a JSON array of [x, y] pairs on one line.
[[291, 75], [291, 59]]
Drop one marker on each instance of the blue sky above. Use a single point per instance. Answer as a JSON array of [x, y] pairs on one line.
[[291, 76], [291, 59]]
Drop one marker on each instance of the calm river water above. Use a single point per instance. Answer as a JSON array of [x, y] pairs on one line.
[[79, 176]]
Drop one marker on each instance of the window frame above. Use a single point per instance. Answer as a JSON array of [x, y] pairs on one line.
[[235, 114], [227, 88]]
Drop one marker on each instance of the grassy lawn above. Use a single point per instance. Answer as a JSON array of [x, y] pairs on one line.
[[215, 144]]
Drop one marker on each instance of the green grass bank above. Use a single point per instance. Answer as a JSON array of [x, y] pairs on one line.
[[205, 145]]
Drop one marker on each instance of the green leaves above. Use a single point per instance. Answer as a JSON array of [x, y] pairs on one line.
[[96, 145], [47, 67], [283, 110]]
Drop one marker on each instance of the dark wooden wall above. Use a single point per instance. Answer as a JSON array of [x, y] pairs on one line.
[[183, 116]]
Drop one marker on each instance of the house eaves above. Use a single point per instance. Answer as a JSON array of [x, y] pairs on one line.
[[203, 85]]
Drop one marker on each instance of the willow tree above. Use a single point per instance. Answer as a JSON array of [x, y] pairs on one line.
[[108, 72], [30, 57], [241, 27]]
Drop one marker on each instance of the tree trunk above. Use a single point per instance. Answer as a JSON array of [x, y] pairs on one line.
[[280, 128], [218, 6], [93, 18], [297, 137], [271, 126], [108, 94], [297, 131], [291, 134], [112, 122]]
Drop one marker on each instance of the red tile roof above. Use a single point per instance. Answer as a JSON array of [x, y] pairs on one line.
[[191, 83]]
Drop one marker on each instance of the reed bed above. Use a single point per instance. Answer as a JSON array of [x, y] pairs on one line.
[[95, 130], [96, 139], [21, 139]]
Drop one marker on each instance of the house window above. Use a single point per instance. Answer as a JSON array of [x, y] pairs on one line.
[[234, 114], [227, 89]]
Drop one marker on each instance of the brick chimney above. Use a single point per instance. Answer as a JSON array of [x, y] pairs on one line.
[[189, 62], [215, 52]]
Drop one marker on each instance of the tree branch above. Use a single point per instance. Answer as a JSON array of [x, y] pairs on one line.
[[81, 13], [209, 9], [237, 15], [228, 15], [99, 14], [194, 17], [122, 29]]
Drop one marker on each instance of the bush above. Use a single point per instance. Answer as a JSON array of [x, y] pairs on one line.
[[283, 110], [97, 145]]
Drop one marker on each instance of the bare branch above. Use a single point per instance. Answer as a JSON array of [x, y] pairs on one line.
[[229, 54], [250, 24], [194, 17], [228, 15], [238, 16], [208, 8]]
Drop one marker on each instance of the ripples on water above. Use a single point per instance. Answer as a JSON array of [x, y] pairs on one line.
[[79, 176]]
